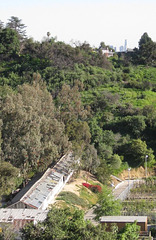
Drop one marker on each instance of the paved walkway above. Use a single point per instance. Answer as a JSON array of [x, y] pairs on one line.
[[120, 192], [90, 216]]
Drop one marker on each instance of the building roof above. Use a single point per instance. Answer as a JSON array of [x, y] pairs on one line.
[[8, 215], [123, 219], [25, 189], [65, 165], [39, 191]]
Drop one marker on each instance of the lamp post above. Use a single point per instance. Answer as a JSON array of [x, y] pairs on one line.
[[129, 169], [146, 165]]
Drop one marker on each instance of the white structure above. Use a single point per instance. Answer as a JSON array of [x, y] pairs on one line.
[[19, 217], [43, 191], [107, 53]]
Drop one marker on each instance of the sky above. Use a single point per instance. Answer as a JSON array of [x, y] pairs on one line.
[[93, 21]]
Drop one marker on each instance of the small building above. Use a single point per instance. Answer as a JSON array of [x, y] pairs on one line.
[[19, 217], [121, 221], [39, 194], [108, 53]]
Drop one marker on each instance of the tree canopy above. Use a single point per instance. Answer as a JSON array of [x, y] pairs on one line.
[[9, 43], [56, 97], [107, 205], [32, 136], [64, 224]]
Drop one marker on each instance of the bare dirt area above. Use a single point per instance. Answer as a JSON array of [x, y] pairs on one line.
[[75, 184]]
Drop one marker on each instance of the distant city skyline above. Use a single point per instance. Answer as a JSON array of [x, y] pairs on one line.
[[93, 21], [122, 48]]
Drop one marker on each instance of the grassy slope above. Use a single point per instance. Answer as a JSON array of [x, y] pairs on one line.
[[75, 194]]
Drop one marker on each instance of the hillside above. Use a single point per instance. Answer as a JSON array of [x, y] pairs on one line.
[[75, 194], [57, 98]]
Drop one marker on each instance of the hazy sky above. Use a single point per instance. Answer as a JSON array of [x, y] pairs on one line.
[[94, 21]]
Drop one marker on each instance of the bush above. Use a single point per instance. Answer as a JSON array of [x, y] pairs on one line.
[[93, 188]]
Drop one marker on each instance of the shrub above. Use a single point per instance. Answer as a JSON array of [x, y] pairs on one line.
[[93, 188]]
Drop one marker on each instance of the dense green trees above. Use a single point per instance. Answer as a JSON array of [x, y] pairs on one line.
[[32, 136], [100, 108], [69, 103], [9, 44], [136, 151], [8, 176], [64, 224], [107, 205], [130, 232], [146, 54], [147, 50]]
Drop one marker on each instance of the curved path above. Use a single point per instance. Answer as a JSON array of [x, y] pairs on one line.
[[121, 192]]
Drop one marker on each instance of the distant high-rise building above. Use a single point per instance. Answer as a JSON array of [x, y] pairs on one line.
[[121, 48], [112, 47], [125, 46]]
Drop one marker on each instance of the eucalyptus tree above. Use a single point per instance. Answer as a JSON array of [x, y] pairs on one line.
[[32, 136], [8, 177]]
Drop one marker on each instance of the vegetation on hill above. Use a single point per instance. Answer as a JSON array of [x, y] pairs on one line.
[[55, 97], [64, 224]]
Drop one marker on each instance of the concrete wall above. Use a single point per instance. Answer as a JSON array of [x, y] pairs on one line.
[[52, 194], [56, 190]]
